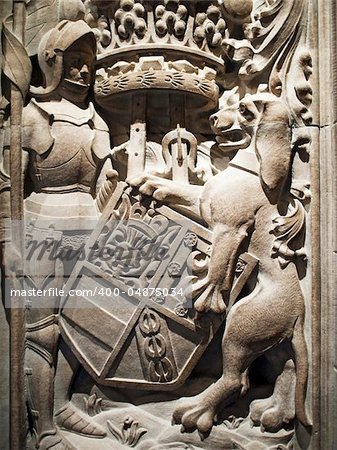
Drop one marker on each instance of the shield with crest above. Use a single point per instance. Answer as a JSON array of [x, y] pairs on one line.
[[128, 314]]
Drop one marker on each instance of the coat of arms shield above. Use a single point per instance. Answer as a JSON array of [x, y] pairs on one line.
[[135, 281]]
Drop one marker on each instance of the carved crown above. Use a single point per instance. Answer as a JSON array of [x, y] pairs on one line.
[[171, 45]]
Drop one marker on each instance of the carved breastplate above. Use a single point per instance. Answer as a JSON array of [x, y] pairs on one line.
[[68, 165]]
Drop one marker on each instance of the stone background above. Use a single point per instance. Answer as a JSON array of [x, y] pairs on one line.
[[323, 37]]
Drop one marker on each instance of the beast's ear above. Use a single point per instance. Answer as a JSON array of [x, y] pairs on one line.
[[229, 98], [273, 147]]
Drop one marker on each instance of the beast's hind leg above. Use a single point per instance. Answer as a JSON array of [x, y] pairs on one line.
[[274, 412], [251, 330], [201, 411]]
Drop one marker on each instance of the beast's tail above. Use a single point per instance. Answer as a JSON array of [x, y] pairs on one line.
[[301, 363]]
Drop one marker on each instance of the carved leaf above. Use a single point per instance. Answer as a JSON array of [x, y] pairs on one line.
[[130, 433], [133, 433], [115, 431], [16, 63], [300, 189], [232, 423], [286, 230], [93, 404]]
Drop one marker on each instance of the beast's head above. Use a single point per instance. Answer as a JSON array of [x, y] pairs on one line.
[[262, 123], [234, 123]]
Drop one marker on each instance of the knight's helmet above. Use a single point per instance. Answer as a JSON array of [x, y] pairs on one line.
[[51, 50]]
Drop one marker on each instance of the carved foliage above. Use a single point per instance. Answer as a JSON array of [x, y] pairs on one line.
[[130, 434], [16, 66], [287, 230]]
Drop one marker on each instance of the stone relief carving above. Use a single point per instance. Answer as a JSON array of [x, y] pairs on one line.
[[162, 212]]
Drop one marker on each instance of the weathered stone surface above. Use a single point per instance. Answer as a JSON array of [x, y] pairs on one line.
[[167, 224]]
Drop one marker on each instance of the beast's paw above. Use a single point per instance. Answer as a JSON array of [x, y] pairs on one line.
[[210, 299], [162, 189], [195, 416], [271, 415], [156, 187]]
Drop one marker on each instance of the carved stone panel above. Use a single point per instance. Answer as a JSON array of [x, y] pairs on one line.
[[160, 225]]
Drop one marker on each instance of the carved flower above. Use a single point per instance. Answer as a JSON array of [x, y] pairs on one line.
[[180, 310], [190, 239], [146, 79], [210, 26], [232, 423], [174, 269], [159, 298], [171, 18], [130, 19], [102, 87], [176, 79], [121, 82], [130, 433]]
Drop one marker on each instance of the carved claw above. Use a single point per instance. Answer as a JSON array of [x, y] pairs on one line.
[[203, 436], [193, 416], [150, 185], [270, 415], [211, 298], [158, 188]]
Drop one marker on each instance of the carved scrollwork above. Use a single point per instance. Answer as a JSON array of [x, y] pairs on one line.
[[286, 230], [154, 346]]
